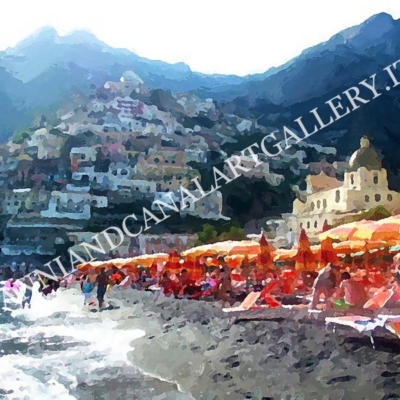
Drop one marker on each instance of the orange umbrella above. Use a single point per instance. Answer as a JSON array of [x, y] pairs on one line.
[[285, 255], [235, 260], [228, 247], [193, 266], [173, 266], [212, 262], [305, 258], [387, 231], [327, 253], [153, 269], [342, 232], [265, 260], [355, 246], [245, 247]]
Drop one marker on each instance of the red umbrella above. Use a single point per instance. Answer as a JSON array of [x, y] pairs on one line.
[[173, 266], [327, 254], [305, 258], [153, 269], [265, 258], [194, 268]]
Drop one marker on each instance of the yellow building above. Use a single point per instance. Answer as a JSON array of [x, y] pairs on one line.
[[328, 200]]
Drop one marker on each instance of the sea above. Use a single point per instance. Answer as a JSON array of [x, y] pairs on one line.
[[60, 349]]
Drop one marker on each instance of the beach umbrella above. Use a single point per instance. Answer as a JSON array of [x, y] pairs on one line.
[[193, 266], [245, 247], [265, 260], [342, 232], [211, 262], [173, 265], [387, 231], [305, 258], [153, 269], [326, 227], [235, 260], [210, 250], [356, 246], [327, 253], [147, 260], [228, 247], [284, 255]]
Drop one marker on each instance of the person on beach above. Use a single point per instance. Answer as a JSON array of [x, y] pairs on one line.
[[87, 289], [188, 286], [7, 274], [225, 287], [17, 273], [101, 282], [351, 292], [28, 292], [166, 284], [117, 276], [323, 285]]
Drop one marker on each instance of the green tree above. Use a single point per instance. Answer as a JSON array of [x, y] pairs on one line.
[[207, 234]]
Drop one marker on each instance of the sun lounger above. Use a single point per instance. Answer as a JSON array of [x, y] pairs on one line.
[[368, 324], [247, 303], [379, 300]]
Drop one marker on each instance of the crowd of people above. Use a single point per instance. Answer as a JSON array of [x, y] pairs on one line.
[[329, 288], [332, 287]]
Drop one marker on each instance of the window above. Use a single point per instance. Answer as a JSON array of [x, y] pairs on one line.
[[319, 204], [375, 179], [389, 197], [156, 160], [312, 206], [352, 179], [315, 224], [124, 172], [308, 225], [173, 162], [324, 203], [337, 198], [377, 197], [367, 199], [166, 162]]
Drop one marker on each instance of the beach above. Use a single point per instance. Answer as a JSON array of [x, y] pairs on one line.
[[149, 347], [212, 357]]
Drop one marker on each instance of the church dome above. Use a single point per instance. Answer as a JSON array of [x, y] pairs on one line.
[[366, 156]]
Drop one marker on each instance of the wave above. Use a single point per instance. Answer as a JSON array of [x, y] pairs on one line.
[[60, 349]]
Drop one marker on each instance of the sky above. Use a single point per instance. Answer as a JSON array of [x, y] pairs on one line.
[[211, 36]]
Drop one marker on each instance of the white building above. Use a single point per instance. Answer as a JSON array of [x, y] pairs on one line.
[[328, 200]]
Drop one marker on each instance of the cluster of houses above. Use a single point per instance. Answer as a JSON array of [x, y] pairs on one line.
[[123, 149]]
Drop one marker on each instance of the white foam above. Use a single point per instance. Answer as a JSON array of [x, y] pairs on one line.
[[52, 374]]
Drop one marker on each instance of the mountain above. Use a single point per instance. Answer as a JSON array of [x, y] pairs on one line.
[[46, 72], [345, 59]]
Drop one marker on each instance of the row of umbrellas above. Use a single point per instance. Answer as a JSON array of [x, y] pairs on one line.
[[363, 236]]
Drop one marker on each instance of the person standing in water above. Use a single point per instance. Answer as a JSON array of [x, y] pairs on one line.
[[101, 282], [87, 288]]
